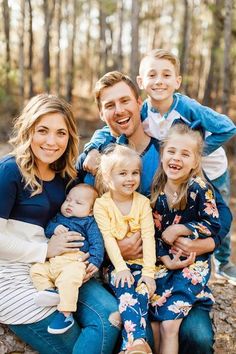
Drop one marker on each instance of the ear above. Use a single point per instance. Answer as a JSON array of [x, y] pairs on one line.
[[139, 82], [178, 82], [140, 102]]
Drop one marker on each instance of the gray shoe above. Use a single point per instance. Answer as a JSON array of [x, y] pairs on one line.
[[227, 271]]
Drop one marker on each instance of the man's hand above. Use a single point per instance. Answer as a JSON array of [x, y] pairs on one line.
[[91, 162], [172, 232], [199, 246], [131, 247]]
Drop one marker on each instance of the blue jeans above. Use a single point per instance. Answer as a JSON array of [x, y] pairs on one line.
[[222, 183], [196, 334], [95, 336]]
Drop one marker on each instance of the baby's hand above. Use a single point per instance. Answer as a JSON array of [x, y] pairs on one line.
[[60, 229], [122, 277], [92, 161], [151, 284], [91, 269]]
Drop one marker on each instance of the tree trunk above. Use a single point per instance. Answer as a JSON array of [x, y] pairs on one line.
[[71, 40], [21, 51], [227, 48], [58, 56], [48, 15], [102, 40], [30, 50], [134, 57], [217, 28], [184, 57], [6, 24], [120, 9]]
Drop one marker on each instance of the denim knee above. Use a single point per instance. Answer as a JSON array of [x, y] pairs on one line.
[[196, 333]]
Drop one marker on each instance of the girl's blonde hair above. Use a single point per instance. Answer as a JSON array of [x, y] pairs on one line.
[[160, 178], [23, 131], [114, 155]]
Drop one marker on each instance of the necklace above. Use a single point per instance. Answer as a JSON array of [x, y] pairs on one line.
[[172, 196]]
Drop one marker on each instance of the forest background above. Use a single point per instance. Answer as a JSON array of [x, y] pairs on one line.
[[64, 46]]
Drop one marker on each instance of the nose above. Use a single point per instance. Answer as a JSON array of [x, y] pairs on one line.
[[158, 79], [51, 139], [119, 108]]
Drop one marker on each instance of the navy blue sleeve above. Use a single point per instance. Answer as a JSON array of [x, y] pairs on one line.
[[9, 177], [49, 230], [96, 244], [225, 216]]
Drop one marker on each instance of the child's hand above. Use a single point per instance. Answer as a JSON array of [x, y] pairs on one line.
[[91, 162], [91, 269], [177, 263], [60, 229], [123, 277], [151, 284]]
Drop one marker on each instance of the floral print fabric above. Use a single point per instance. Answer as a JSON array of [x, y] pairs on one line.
[[133, 305], [178, 290]]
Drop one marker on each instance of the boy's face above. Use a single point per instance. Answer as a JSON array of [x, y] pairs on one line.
[[120, 109], [79, 202], [158, 78]]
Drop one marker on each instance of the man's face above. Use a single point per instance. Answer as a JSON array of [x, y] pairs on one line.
[[120, 109]]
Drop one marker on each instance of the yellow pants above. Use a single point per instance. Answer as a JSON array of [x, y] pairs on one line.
[[66, 273]]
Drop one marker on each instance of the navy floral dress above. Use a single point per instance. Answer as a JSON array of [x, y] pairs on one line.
[[179, 290]]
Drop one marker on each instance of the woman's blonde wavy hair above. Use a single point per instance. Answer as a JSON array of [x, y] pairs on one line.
[[160, 178], [22, 134]]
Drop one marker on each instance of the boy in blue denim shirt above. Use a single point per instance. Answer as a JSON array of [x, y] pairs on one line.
[[159, 77], [67, 271]]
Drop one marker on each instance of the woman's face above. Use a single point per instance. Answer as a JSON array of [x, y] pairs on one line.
[[50, 139]]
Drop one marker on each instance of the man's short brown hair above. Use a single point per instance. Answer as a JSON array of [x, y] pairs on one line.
[[110, 79]]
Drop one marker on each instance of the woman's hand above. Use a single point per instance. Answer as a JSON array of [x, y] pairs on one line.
[[131, 247], [151, 284], [63, 243], [122, 277]]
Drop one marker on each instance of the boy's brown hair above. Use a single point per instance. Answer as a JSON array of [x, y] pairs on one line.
[[162, 54], [110, 79]]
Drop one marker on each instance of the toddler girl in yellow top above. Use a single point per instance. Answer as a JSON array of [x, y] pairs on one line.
[[120, 212]]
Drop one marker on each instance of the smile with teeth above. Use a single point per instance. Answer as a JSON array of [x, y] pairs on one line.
[[123, 121], [174, 167]]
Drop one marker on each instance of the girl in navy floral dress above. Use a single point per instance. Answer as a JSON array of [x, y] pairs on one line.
[[184, 205]]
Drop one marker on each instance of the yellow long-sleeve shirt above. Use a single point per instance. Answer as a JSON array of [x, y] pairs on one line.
[[115, 226]]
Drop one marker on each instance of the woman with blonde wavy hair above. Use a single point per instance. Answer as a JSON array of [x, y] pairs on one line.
[[33, 181]]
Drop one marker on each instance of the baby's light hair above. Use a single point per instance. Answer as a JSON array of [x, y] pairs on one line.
[[87, 187], [114, 155], [160, 178], [161, 54]]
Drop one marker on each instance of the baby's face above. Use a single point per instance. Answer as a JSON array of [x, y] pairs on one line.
[[79, 203]]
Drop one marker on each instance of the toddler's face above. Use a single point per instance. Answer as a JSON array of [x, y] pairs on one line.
[[158, 78], [79, 203]]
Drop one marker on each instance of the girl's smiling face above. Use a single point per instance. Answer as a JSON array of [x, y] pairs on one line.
[[179, 157]]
